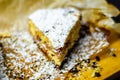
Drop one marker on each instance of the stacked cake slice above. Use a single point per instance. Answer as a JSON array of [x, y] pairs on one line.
[[55, 31]]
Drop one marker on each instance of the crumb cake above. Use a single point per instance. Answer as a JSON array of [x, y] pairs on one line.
[[89, 44], [20, 57], [55, 31]]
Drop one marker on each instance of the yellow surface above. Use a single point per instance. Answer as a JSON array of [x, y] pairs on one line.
[[109, 64]]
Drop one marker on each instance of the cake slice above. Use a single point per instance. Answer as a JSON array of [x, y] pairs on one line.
[[21, 56], [21, 59], [93, 41], [55, 31]]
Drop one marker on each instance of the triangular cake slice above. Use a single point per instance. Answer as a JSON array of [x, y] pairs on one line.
[[55, 31]]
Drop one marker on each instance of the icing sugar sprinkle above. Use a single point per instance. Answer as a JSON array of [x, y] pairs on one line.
[[23, 60], [87, 46], [20, 57]]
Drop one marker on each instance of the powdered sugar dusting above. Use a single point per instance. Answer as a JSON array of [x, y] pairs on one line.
[[86, 47], [56, 24], [23, 60]]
